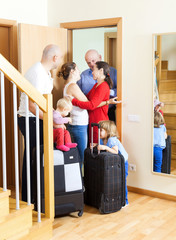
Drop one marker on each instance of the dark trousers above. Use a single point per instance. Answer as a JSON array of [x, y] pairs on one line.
[[32, 141], [111, 113]]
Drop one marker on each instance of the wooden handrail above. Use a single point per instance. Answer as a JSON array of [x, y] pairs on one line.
[[22, 84]]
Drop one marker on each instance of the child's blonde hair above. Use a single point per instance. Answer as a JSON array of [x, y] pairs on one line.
[[158, 119], [110, 128], [64, 103]]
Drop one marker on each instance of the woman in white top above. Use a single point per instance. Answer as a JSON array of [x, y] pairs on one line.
[[79, 126]]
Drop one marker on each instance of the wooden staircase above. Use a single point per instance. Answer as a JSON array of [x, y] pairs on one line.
[[21, 224], [167, 94]]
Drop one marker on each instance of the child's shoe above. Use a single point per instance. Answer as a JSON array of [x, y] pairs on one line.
[[71, 145], [63, 148]]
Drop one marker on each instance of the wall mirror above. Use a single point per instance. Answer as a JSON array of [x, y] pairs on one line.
[[164, 79]]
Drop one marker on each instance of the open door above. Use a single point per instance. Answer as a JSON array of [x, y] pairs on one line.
[[32, 40]]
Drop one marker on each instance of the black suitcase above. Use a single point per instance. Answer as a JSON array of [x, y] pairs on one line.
[[104, 180], [68, 185], [166, 162]]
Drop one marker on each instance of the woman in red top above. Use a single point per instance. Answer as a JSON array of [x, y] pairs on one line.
[[99, 93]]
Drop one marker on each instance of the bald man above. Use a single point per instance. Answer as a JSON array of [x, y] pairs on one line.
[[40, 77], [87, 82]]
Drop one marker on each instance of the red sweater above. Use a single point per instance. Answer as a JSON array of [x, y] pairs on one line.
[[95, 97]]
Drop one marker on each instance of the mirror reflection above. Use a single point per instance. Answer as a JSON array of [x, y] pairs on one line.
[[164, 139]]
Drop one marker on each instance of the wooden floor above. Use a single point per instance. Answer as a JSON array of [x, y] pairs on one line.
[[145, 218]]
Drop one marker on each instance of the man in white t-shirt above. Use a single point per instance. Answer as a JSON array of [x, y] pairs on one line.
[[40, 77]]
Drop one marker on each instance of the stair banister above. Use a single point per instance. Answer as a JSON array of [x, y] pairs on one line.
[[45, 104]]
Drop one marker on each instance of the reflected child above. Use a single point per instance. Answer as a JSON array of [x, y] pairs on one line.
[[159, 143]]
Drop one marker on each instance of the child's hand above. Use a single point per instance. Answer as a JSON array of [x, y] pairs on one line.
[[101, 147], [59, 126], [94, 144], [70, 97], [69, 120], [114, 100]]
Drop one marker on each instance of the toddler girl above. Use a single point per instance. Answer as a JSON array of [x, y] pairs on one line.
[[61, 135], [109, 142]]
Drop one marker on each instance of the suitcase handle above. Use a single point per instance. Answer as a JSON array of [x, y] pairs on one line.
[[93, 125]]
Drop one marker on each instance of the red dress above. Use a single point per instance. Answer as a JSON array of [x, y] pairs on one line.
[[95, 97]]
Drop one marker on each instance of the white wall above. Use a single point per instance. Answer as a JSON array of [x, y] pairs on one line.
[[141, 18], [25, 11]]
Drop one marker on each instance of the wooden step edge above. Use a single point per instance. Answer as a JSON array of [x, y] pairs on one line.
[[14, 212], [170, 128], [12, 202], [167, 80], [4, 193], [169, 103], [16, 223], [39, 230], [170, 114], [166, 92]]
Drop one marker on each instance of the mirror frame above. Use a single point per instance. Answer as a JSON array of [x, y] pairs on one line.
[[152, 124]]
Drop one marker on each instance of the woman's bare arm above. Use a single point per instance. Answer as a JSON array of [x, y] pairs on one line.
[[75, 91]]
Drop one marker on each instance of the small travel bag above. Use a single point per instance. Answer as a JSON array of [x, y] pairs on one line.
[[68, 185]]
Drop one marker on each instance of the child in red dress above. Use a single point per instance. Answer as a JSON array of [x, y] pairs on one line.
[[61, 135]]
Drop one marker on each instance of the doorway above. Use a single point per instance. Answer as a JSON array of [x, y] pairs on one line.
[[115, 22]]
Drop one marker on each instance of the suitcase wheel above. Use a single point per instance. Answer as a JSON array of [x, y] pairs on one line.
[[80, 213]]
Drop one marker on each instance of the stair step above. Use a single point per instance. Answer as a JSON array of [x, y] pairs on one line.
[[173, 147], [164, 65], [164, 74], [168, 85], [41, 230], [173, 157], [170, 120], [4, 202], [172, 132], [17, 221], [167, 96], [169, 108], [169, 115], [171, 75]]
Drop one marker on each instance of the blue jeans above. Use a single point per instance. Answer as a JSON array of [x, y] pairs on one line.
[[79, 135], [158, 158], [126, 174]]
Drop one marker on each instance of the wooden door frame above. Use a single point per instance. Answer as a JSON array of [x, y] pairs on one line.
[[12, 25], [109, 22], [107, 38]]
